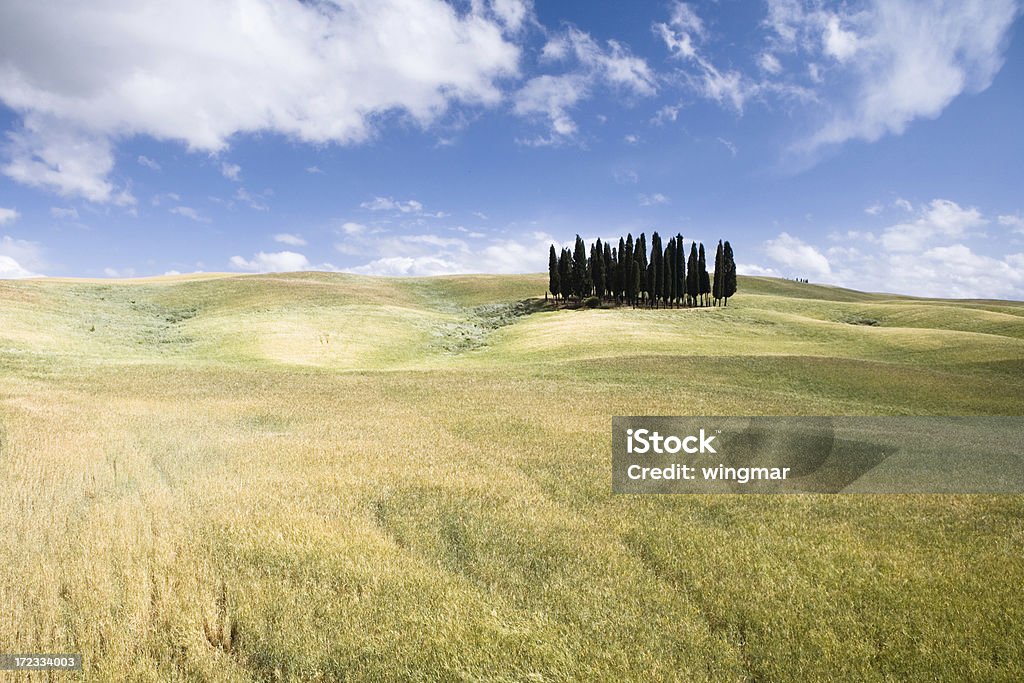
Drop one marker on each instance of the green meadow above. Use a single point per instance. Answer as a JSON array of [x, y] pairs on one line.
[[316, 476]]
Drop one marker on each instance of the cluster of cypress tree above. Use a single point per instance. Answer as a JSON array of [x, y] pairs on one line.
[[627, 274]]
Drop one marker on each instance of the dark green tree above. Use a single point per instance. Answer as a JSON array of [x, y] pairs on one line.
[[581, 283], [657, 265], [597, 268], [716, 287], [729, 280], [705, 281], [692, 278], [565, 274], [553, 272], [609, 270], [680, 270]]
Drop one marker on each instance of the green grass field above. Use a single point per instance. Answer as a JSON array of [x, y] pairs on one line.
[[329, 477]]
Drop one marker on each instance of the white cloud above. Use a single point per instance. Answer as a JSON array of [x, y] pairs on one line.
[[1015, 222], [148, 163], [631, 139], [350, 228], [201, 71], [874, 209], [290, 239], [512, 13], [59, 213], [313, 169], [800, 258], [390, 204], [769, 63], [430, 255], [909, 61], [190, 213], [754, 269], [232, 172], [119, 272], [8, 216], [666, 114], [941, 219], [927, 256], [652, 199], [273, 262], [903, 204], [553, 96], [254, 200], [729, 145], [19, 258]]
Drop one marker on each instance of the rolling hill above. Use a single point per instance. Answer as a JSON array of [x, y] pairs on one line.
[[307, 475]]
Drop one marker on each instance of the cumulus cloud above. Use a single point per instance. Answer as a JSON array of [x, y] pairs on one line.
[[942, 218], [8, 216], [272, 262], [1016, 223], [201, 71], [800, 258], [937, 254], [19, 258], [431, 254], [290, 239]]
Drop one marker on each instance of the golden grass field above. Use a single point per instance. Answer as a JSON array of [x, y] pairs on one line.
[[329, 477]]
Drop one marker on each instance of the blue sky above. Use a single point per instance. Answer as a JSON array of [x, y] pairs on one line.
[[871, 144]]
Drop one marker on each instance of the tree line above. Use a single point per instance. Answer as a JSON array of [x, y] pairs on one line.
[[666, 277]]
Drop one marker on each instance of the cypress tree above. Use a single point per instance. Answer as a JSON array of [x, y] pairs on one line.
[[680, 268], [692, 281], [581, 282], [729, 279], [565, 274], [640, 256], [620, 271], [627, 268], [654, 287], [716, 288], [597, 274], [553, 272], [705, 281], [633, 281], [668, 276], [609, 270]]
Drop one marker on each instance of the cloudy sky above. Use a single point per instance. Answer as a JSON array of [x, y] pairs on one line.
[[874, 144]]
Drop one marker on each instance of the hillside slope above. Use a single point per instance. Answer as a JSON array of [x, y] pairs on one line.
[[312, 475]]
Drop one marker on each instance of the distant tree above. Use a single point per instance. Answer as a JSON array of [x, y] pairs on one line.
[[597, 268], [729, 279], [654, 286], [609, 270], [627, 269], [705, 281], [621, 271], [553, 272], [680, 270], [716, 287], [640, 256], [669, 280], [633, 282], [692, 279], [565, 274], [581, 282]]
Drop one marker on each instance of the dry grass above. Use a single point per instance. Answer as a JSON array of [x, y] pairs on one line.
[[197, 489]]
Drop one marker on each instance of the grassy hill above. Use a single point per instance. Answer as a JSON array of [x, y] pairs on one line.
[[309, 474]]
